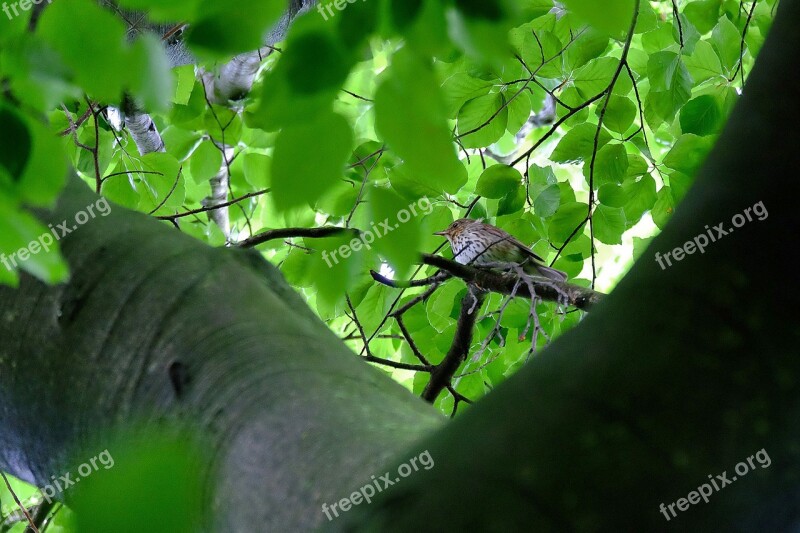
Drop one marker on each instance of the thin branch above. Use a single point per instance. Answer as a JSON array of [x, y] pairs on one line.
[[378, 360], [431, 280], [443, 373], [677, 16], [212, 208], [289, 233], [19, 503], [740, 66]]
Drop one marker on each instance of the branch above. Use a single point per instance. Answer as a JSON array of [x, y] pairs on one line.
[[432, 280], [22, 508], [142, 128], [504, 283], [242, 198], [459, 349], [288, 233]]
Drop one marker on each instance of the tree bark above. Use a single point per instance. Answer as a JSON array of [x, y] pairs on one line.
[[291, 414]]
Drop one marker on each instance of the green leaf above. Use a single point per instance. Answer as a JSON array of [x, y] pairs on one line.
[[671, 84], [727, 42], [612, 195], [590, 44], [512, 203], [680, 184], [46, 170], [595, 77], [690, 34], [609, 224], [139, 459], [315, 63], [205, 162], [26, 244], [459, 88], [640, 197], [611, 165], [151, 80], [15, 144], [547, 202], [703, 14], [578, 143], [660, 39], [482, 121], [688, 153], [498, 181], [298, 179], [399, 244], [701, 116], [519, 111], [211, 35], [334, 267], [164, 189], [257, 170], [179, 142], [404, 12], [527, 46], [663, 208], [566, 221], [419, 135], [223, 124], [481, 38], [121, 190], [440, 307], [106, 74], [620, 114], [612, 16], [704, 63], [185, 81]]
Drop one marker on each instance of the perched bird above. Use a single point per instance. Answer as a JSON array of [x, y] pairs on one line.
[[478, 244]]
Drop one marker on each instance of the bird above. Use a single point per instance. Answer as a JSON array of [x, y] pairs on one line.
[[475, 243]]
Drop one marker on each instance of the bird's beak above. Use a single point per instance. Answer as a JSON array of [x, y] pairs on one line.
[[442, 233]]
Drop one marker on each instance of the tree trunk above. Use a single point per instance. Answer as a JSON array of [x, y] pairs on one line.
[[678, 374], [292, 415]]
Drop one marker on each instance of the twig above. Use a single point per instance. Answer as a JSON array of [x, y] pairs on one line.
[[19, 503], [212, 208], [459, 349], [288, 233]]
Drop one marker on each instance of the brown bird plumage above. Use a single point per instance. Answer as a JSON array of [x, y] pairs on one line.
[[479, 244]]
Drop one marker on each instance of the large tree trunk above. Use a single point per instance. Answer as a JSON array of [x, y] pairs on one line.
[[291, 414], [677, 375]]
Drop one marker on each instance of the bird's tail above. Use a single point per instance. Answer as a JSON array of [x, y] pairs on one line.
[[536, 269]]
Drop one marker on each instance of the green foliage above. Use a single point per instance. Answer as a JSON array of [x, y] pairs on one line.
[[150, 484], [367, 113]]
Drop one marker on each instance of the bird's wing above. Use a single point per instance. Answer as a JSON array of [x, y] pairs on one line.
[[525, 250]]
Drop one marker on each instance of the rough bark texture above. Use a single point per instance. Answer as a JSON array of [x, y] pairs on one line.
[[293, 416]]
